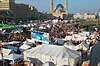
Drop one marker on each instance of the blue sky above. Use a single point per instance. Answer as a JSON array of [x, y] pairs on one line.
[[75, 6]]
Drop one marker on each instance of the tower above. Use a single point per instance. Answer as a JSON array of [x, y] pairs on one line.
[[51, 6], [66, 6]]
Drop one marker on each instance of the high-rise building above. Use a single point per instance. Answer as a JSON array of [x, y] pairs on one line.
[[59, 11]]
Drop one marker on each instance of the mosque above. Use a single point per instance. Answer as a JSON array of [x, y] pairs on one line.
[[59, 11]]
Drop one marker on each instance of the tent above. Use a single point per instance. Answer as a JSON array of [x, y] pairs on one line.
[[70, 45], [13, 42], [78, 37], [59, 41], [59, 55], [68, 37], [83, 46], [48, 63], [24, 47], [13, 57], [5, 52], [17, 31], [29, 40]]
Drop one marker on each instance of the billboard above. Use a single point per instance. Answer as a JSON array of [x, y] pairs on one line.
[[41, 37]]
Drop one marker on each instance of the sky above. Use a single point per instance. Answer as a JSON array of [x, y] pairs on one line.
[[74, 6]]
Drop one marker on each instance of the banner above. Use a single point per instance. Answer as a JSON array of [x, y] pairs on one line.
[[41, 37]]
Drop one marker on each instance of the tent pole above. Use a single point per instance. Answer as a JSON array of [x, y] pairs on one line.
[[13, 62]]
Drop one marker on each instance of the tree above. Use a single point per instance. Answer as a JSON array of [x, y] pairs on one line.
[[98, 26], [90, 28]]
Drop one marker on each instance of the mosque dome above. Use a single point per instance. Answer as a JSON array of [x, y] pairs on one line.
[[60, 6]]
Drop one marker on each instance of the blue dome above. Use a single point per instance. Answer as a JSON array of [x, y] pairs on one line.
[[60, 5]]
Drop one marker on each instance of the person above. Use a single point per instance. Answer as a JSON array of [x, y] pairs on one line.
[[95, 55]]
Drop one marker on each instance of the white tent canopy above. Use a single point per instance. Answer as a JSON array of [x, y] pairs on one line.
[[13, 57], [13, 42], [68, 37], [70, 45], [59, 55], [24, 47], [5, 52], [29, 40], [83, 46], [48, 63]]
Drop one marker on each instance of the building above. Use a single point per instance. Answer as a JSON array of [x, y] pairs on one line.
[[8, 8], [84, 16], [98, 14], [25, 11], [59, 11], [7, 4], [19, 10]]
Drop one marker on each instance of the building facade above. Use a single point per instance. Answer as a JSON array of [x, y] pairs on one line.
[[84, 16], [7, 4]]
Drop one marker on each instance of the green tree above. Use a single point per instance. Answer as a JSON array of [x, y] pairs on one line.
[[98, 26], [81, 26], [90, 28]]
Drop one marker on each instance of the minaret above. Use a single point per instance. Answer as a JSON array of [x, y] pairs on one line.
[[66, 6], [51, 6]]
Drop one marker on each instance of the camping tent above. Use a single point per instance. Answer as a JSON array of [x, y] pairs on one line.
[[59, 55]]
